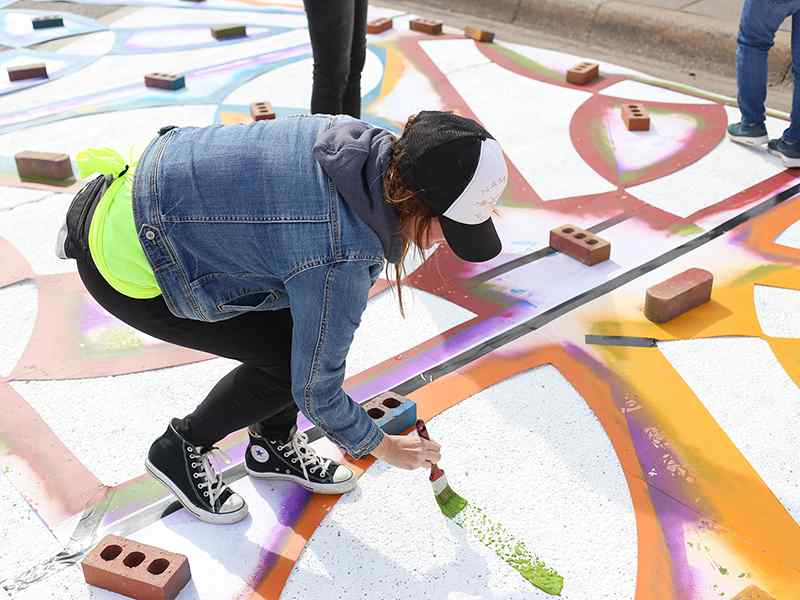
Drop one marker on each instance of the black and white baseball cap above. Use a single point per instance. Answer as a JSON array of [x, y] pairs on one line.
[[458, 169]]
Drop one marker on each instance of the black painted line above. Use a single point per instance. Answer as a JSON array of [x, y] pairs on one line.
[[548, 316], [621, 340]]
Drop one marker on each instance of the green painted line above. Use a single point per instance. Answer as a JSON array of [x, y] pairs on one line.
[[496, 537]]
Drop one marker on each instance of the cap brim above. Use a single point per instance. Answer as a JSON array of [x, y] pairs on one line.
[[473, 243]]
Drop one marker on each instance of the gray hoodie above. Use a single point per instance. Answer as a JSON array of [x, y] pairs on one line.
[[354, 154]]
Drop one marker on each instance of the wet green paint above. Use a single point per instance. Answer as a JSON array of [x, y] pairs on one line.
[[496, 537]]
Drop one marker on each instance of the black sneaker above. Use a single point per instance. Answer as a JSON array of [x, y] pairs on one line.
[[745, 133], [790, 153], [294, 460], [187, 471]]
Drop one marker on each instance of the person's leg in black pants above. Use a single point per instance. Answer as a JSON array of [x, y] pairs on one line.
[[338, 33], [259, 390]]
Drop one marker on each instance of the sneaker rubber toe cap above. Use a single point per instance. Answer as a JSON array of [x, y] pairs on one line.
[[342, 474], [234, 504]]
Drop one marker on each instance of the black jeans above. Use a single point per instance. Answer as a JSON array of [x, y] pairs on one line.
[[257, 392], [338, 30]]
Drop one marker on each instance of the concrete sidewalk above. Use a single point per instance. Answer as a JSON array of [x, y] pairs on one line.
[[694, 34]]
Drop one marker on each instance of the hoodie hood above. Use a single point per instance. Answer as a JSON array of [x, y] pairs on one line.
[[354, 154]]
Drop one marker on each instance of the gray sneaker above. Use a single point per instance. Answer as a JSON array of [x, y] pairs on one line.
[[751, 135], [790, 153]]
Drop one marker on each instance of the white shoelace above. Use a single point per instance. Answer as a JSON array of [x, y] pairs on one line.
[[298, 445], [212, 482]]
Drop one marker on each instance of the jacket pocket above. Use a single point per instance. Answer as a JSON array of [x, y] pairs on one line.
[[250, 301]]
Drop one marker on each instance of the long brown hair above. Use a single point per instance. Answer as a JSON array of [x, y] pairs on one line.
[[415, 216]]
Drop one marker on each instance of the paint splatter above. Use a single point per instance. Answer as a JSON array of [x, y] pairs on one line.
[[496, 537]]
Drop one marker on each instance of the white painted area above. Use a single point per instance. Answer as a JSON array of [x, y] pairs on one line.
[[11, 197], [547, 158], [455, 54], [26, 539], [778, 311], [727, 170], [152, 16], [66, 584], [790, 237], [560, 61], [32, 228], [18, 308], [633, 150], [290, 85], [91, 44], [642, 92], [377, 12], [384, 333], [112, 71], [127, 131], [526, 230], [412, 93], [124, 413], [531, 453], [756, 403]]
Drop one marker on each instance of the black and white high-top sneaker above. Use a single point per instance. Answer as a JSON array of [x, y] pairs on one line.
[[187, 471], [294, 460]]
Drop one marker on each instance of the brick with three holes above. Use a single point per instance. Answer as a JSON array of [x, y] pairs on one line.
[[477, 34], [136, 570], [379, 25], [583, 73], [47, 22], [165, 81], [391, 412], [261, 111], [31, 71], [636, 117], [428, 26], [580, 244]]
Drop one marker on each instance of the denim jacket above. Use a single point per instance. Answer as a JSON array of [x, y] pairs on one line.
[[243, 217]]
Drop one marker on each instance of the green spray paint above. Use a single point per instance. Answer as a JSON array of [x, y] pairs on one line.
[[496, 537]]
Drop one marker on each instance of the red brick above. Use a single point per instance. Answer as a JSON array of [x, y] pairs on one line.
[[379, 25], [583, 73], [261, 111], [136, 570], [753, 592], [428, 26], [32, 71], [678, 294], [580, 244], [636, 117], [43, 165], [165, 81], [480, 35]]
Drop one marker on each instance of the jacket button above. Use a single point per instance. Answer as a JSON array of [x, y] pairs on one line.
[[150, 235]]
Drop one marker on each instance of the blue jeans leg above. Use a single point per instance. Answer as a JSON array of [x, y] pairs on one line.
[[792, 134], [760, 20]]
